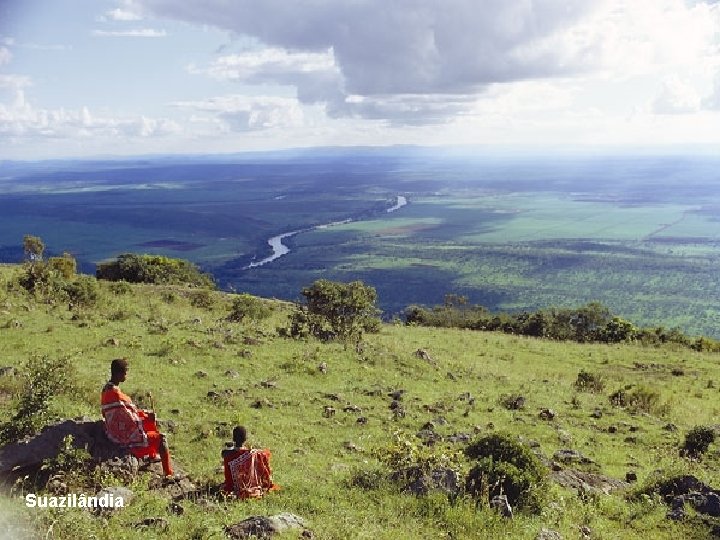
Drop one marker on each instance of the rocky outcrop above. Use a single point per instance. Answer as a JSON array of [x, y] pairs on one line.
[[265, 527]]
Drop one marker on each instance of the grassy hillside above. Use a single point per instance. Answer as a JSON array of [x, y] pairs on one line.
[[170, 334]]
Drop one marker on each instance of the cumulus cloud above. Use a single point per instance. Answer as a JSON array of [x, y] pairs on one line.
[[20, 119], [676, 97], [120, 14], [136, 32], [245, 113], [401, 60], [5, 56]]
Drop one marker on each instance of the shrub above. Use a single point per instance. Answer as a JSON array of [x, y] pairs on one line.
[[155, 269], [337, 310], [589, 382], [697, 441], [45, 379], [202, 299], [84, 291], [507, 467], [249, 306], [120, 287], [640, 399]]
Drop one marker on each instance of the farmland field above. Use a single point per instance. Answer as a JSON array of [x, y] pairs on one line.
[[638, 233]]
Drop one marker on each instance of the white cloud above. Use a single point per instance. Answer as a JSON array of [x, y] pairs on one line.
[[676, 97], [21, 120], [5, 56], [14, 81], [401, 60], [137, 32], [120, 14], [244, 113]]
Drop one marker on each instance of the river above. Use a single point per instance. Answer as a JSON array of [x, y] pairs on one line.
[[279, 249]]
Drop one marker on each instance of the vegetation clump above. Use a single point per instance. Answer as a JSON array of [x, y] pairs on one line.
[[505, 466], [640, 399], [156, 269], [250, 307], [589, 382], [697, 441], [336, 310]]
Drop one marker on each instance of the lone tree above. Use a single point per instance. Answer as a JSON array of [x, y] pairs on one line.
[[335, 310], [33, 248]]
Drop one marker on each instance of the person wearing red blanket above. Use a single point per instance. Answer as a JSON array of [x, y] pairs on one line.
[[128, 426], [247, 471]]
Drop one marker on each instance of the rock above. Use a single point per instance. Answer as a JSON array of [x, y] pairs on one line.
[[612, 429], [630, 477], [351, 447], [264, 527], [201, 374], [212, 394], [27, 456], [514, 402], [395, 404], [418, 482], [126, 467], [174, 411], [177, 487], [362, 420], [422, 354], [121, 497], [8, 371], [585, 532], [352, 409], [670, 427], [323, 367], [329, 411], [547, 414], [597, 413], [428, 436], [333, 397], [268, 384], [451, 376], [251, 341], [112, 342], [677, 372], [501, 505], [458, 438], [428, 425], [176, 509], [585, 482], [396, 394], [261, 403], [153, 523], [232, 374], [245, 353], [571, 456], [548, 534]]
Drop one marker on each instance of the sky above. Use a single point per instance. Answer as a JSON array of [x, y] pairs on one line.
[[87, 78]]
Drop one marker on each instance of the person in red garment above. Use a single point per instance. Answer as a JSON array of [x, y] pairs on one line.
[[128, 426], [247, 471]]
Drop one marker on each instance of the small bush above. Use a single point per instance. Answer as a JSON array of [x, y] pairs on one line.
[[120, 287], [589, 382], [45, 379], [249, 306], [84, 291], [697, 441], [506, 467], [640, 399], [202, 299]]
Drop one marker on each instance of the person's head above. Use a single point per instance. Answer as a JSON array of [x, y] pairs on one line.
[[118, 370], [239, 435]]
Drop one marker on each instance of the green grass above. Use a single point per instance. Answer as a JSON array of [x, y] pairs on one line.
[[157, 330]]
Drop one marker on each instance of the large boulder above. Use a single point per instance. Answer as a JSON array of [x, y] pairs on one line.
[[28, 455], [264, 527]]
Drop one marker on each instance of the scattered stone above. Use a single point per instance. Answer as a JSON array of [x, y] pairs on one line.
[[422, 354], [547, 414], [631, 440], [597, 413], [323, 367], [245, 353], [333, 397], [174, 411], [585, 532], [268, 384], [212, 394], [571, 456], [630, 477], [548, 534], [417, 481], [153, 523], [8, 371], [201, 374], [428, 425], [176, 509], [395, 404], [399, 413], [428, 436], [251, 341], [261, 404], [501, 505], [670, 427], [197, 320], [677, 372], [362, 420], [458, 438], [396, 394], [112, 342], [514, 402], [351, 447], [585, 482], [440, 421], [612, 429], [117, 494], [264, 527], [232, 374], [634, 429], [329, 411], [451, 376], [352, 409]]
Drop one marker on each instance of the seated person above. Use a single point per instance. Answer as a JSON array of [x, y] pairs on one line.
[[128, 426], [247, 471]]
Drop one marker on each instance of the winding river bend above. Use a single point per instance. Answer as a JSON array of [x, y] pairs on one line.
[[279, 249]]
